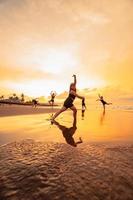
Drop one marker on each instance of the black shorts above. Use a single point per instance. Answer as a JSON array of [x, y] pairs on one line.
[[68, 102], [51, 100]]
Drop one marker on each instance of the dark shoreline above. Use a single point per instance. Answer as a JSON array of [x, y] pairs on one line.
[[26, 104]]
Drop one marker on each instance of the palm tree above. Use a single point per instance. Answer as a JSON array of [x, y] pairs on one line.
[[2, 97], [15, 97]]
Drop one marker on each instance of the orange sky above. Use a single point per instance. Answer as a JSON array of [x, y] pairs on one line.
[[42, 43]]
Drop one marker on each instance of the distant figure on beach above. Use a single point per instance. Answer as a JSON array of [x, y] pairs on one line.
[[103, 101], [69, 132], [34, 102], [83, 108], [69, 101], [53, 95], [22, 97]]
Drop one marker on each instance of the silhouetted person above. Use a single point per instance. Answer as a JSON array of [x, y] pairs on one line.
[[70, 99], [22, 97], [103, 101], [53, 95], [69, 132], [34, 103], [83, 108]]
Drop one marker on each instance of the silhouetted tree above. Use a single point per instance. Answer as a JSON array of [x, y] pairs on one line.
[[2, 97]]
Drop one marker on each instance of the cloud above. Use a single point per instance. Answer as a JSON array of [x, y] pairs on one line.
[[100, 32], [23, 74], [62, 95]]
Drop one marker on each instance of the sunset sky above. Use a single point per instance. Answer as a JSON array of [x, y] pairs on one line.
[[44, 42]]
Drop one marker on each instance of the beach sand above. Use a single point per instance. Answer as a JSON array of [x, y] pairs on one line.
[[37, 170], [13, 110], [38, 162]]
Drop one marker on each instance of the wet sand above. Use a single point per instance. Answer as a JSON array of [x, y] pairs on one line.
[[13, 110], [38, 170], [48, 167], [114, 126]]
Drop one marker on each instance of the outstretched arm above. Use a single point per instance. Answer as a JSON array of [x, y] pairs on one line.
[[80, 97], [109, 103], [75, 79], [76, 95]]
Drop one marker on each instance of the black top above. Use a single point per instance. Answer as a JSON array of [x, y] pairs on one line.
[[69, 101], [104, 102], [72, 96]]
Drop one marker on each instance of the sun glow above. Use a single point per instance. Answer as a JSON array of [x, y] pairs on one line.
[[91, 83], [57, 61]]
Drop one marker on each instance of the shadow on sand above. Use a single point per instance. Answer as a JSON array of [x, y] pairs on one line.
[[69, 132]]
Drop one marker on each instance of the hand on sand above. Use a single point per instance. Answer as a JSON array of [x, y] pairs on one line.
[[80, 139]]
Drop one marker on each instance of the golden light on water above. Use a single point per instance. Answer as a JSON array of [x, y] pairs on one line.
[[94, 128]]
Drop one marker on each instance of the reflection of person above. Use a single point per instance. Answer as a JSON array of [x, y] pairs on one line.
[[103, 101], [53, 95], [70, 99], [102, 117], [83, 108], [69, 132]]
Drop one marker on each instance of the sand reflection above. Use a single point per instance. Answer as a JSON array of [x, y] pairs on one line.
[[68, 132], [102, 118]]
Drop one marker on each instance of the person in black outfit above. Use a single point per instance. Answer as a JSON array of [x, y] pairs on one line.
[[83, 108], [53, 95], [34, 103], [69, 132], [70, 99], [103, 101]]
